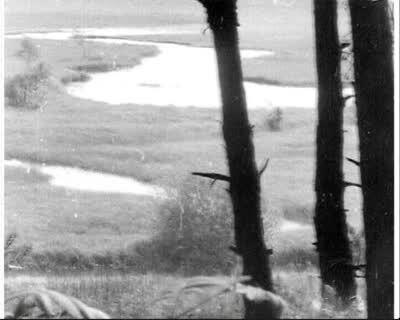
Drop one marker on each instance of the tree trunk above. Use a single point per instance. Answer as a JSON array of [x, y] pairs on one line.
[[374, 86], [244, 177], [335, 256]]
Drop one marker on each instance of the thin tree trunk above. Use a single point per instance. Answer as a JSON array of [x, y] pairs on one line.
[[335, 257], [374, 86], [244, 177]]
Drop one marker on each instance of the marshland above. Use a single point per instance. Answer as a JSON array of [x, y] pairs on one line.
[[100, 200]]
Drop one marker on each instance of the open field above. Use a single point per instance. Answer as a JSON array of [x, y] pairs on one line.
[[92, 135], [72, 230]]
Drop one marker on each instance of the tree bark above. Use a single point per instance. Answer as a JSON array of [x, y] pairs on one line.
[[374, 86], [244, 177], [335, 256]]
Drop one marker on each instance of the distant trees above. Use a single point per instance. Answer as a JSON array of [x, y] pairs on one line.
[[274, 119], [28, 51], [243, 177], [333, 246], [374, 87]]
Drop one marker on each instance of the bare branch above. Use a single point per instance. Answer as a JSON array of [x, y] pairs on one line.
[[345, 44], [213, 176], [357, 163], [351, 184], [264, 167], [359, 266], [345, 98]]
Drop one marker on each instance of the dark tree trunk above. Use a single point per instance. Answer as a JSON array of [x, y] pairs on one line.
[[374, 86], [244, 177], [335, 256]]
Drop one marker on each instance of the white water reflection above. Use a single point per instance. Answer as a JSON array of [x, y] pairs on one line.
[[180, 75], [66, 33], [90, 181], [290, 226]]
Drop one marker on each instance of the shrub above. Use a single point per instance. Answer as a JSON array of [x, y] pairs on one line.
[[16, 256], [96, 67], [299, 213], [196, 231], [301, 258], [75, 77], [28, 51], [274, 119], [27, 90]]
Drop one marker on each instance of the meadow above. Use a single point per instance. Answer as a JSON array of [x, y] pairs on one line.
[[140, 296], [71, 232]]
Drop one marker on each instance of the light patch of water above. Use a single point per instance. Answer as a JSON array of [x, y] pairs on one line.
[[291, 226], [67, 33], [56, 35], [90, 181], [179, 75], [17, 164], [183, 76]]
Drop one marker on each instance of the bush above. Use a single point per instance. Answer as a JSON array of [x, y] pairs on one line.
[[298, 213], [196, 231], [28, 51], [27, 90], [75, 77], [16, 256], [300, 258], [274, 119]]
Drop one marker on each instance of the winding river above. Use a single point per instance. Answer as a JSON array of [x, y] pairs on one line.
[[180, 75]]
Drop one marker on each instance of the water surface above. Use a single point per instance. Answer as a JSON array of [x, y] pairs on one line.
[[89, 181], [180, 75]]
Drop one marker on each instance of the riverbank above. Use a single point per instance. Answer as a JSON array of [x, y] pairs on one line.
[[282, 67], [73, 60]]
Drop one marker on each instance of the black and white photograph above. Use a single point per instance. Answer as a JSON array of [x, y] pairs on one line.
[[199, 159]]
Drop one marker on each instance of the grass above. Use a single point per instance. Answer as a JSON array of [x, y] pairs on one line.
[[175, 142], [119, 295], [78, 228], [127, 295], [74, 59]]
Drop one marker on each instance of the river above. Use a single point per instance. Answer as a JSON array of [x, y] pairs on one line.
[[180, 75]]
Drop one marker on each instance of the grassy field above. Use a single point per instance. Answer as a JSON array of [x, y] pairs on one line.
[[91, 135], [137, 296], [175, 142]]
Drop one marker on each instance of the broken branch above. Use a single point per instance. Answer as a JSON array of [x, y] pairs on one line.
[[351, 184], [357, 163], [213, 176], [264, 167]]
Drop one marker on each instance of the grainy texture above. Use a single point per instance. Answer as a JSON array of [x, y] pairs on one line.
[[330, 221], [244, 178], [374, 85]]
